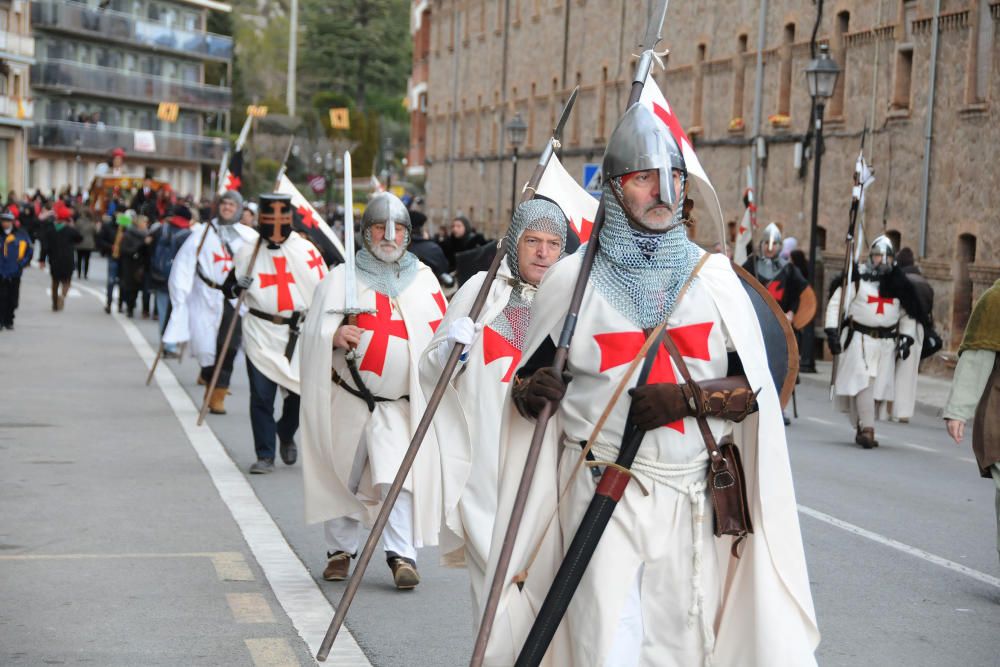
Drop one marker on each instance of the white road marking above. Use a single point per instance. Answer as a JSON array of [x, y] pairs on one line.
[[967, 459], [73, 292], [820, 421], [293, 586], [910, 445], [899, 546]]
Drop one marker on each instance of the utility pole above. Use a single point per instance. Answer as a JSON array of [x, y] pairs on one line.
[[293, 34]]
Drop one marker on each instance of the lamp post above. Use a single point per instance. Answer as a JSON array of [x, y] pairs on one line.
[[517, 131], [821, 75]]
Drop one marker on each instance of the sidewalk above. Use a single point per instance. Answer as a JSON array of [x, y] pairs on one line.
[[932, 392]]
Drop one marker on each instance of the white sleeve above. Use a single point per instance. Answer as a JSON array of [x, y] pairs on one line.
[[832, 320], [182, 271]]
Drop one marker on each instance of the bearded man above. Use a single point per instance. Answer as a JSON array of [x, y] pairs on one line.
[[470, 414], [279, 286], [659, 589], [361, 398], [200, 313]]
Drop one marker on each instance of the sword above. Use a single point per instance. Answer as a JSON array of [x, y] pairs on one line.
[[432, 404]]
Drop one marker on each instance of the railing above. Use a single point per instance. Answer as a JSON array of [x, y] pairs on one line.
[[21, 45], [130, 29], [9, 108], [91, 139], [69, 76]]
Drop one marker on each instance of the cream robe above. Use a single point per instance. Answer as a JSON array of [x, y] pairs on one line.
[[263, 341], [765, 614], [468, 422], [196, 307], [335, 424], [907, 373]]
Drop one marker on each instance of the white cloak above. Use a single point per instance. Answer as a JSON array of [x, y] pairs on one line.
[[907, 372], [868, 360], [338, 432], [469, 417], [196, 308], [766, 614], [264, 341]]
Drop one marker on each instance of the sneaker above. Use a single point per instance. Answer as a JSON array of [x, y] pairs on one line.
[[337, 565], [289, 452], [404, 571], [262, 467]]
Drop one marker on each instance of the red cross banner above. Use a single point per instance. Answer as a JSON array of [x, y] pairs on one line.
[[316, 262], [576, 203], [310, 216], [652, 98], [231, 177]]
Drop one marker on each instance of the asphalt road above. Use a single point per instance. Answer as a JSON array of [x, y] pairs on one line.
[[98, 464]]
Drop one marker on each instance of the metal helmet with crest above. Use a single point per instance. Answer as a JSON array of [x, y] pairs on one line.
[[386, 209], [641, 142], [275, 217], [882, 247]]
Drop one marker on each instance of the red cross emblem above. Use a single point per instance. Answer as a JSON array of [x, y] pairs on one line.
[[776, 290], [496, 347], [316, 262], [382, 326], [621, 347], [225, 258], [308, 219], [583, 229], [882, 303], [233, 181], [439, 300], [282, 279], [670, 120]]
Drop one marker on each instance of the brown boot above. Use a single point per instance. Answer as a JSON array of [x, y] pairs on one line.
[[404, 572], [866, 437], [217, 401], [337, 565]]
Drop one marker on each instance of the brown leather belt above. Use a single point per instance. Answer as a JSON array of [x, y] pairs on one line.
[[874, 332], [337, 380]]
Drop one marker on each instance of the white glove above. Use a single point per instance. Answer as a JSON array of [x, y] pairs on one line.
[[463, 331]]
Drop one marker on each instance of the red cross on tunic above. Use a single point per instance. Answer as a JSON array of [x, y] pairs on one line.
[[282, 279], [382, 326], [442, 306], [496, 347], [233, 182], [308, 219], [621, 348], [316, 262], [583, 229], [882, 303], [224, 258], [776, 289]]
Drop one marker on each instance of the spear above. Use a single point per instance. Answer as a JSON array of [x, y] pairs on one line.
[[652, 37], [434, 401]]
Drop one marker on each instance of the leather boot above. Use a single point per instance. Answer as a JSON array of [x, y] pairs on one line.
[[337, 565], [217, 401], [404, 571], [866, 437]]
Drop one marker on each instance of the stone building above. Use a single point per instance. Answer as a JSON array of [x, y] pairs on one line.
[[478, 62], [17, 54]]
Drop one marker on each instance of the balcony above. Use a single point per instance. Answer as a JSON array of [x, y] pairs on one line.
[[70, 78], [64, 135], [17, 47], [22, 110], [130, 30]]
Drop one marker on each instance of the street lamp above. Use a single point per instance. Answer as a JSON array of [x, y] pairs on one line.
[[821, 75], [517, 131]]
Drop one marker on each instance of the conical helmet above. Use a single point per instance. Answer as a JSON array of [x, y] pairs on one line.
[[640, 142]]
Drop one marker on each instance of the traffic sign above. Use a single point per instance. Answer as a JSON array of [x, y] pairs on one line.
[[592, 178], [340, 119]]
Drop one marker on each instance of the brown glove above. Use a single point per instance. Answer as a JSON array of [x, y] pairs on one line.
[[531, 394], [659, 404]]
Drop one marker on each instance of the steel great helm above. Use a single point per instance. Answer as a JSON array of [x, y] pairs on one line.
[[882, 247], [275, 218], [641, 142], [386, 209]]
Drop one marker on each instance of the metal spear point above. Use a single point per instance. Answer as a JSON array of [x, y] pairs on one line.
[[432, 404]]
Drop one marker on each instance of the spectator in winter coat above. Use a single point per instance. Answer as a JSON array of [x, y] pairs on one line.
[[168, 238], [134, 254], [60, 244], [88, 230], [14, 256], [463, 237]]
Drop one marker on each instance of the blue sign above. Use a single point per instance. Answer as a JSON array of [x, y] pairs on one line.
[[592, 178]]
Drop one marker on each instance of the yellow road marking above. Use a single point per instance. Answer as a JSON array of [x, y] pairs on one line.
[[249, 608], [229, 565], [271, 652]]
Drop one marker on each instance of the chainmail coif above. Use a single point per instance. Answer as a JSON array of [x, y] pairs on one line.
[[389, 278], [641, 274]]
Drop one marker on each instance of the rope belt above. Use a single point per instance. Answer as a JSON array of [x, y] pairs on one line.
[[668, 474], [337, 380]]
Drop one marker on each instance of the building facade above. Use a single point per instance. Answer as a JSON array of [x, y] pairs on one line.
[[482, 61], [103, 69], [17, 51]]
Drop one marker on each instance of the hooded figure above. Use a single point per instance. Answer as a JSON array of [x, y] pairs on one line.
[[469, 417], [357, 426], [660, 588]]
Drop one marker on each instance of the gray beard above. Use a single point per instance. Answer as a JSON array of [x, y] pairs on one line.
[[386, 256]]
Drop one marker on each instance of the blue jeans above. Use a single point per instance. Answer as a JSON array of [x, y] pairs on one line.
[[113, 268], [262, 393], [163, 310]]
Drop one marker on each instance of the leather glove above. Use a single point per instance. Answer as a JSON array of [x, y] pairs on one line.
[[903, 344], [531, 394], [655, 405], [833, 340]]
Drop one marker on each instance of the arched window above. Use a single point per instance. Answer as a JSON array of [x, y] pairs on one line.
[[840, 55], [785, 72], [739, 76]]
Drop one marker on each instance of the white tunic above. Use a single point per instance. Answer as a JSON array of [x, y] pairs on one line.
[[284, 279], [758, 608], [347, 451], [868, 360], [197, 307]]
